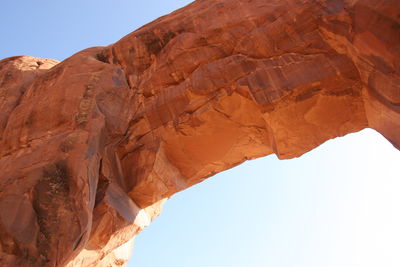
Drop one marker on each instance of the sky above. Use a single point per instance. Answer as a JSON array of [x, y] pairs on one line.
[[336, 206]]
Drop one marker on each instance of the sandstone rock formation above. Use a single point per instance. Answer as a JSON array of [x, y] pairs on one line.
[[91, 147]]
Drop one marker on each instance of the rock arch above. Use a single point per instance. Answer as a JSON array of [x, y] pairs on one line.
[[92, 146]]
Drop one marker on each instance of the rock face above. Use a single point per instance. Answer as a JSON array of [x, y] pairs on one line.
[[91, 147]]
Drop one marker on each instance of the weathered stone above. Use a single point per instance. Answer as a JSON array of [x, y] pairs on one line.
[[91, 147]]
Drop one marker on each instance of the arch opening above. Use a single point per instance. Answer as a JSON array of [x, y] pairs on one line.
[[334, 206]]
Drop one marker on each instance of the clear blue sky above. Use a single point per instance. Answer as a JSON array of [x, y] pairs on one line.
[[337, 206]]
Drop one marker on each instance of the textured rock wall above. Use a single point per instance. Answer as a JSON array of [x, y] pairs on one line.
[[91, 147]]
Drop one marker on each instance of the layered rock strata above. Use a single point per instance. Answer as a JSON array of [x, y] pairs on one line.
[[92, 146]]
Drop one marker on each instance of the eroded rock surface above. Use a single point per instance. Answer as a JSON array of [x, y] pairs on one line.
[[91, 147]]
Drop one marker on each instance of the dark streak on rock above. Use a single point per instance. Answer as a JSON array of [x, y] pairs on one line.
[[117, 81], [78, 242], [66, 145], [307, 94], [102, 57], [49, 197], [154, 43], [345, 92], [114, 57], [30, 119], [102, 186]]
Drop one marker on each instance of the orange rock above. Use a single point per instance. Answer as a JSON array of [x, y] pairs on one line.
[[91, 147]]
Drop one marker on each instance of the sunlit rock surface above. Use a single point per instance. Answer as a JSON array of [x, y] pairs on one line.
[[91, 147]]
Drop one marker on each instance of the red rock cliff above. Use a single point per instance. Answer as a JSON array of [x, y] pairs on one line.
[[92, 146]]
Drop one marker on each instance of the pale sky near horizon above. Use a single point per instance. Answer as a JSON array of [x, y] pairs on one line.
[[336, 206]]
